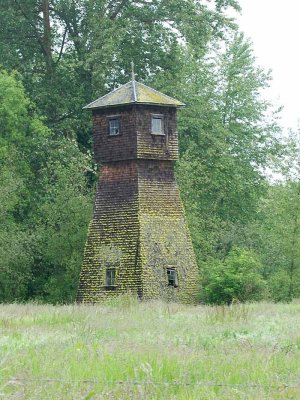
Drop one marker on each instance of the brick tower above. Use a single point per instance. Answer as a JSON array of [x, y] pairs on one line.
[[138, 240]]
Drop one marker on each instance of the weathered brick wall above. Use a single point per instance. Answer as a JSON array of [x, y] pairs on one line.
[[114, 148], [150, 146], [135, 139], [113, 236], [138, 225], [164, 236], [138, 228]]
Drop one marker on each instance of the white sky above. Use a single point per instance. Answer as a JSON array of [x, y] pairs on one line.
[[274, 28]]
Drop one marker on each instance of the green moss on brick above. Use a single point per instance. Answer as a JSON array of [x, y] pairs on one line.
[[138, 225]]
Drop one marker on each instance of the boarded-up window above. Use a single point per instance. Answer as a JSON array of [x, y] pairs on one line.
[[172, 277]]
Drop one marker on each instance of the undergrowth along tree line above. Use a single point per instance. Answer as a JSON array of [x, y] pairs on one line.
[[56, 56]]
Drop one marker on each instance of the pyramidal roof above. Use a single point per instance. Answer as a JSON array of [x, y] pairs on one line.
[[133, 92]]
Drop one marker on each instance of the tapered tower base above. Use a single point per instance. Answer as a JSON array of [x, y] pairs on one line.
[[138, 240]]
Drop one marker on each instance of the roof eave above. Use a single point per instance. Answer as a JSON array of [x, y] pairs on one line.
[[90, 107]]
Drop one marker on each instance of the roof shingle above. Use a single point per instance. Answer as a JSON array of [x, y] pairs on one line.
[[133, 93]]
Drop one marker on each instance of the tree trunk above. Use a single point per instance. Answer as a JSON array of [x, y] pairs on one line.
[[47, 36]]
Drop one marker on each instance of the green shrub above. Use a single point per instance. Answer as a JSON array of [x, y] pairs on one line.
[[279, 285], [237, 278]]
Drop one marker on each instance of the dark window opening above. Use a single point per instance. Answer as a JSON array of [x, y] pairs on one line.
[[157, 125], [172, 277], [113, 126], [110, 280]]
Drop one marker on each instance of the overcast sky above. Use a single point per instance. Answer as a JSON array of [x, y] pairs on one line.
[[274, 28]]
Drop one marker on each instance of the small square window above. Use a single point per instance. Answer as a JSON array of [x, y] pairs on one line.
[[113, 126], [110, 277], [157, 125], [172, 277]]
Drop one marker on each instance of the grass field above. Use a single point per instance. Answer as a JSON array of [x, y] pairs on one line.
[[127, 350]]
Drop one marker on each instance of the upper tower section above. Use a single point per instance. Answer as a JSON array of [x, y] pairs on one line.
[[134, 122]]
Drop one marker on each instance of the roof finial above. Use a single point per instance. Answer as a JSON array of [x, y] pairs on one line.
[[132, 71]]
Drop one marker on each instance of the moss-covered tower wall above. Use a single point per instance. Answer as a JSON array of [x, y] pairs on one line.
[[138, 229]]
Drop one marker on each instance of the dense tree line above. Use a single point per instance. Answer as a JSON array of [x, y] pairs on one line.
[[56, 56]]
